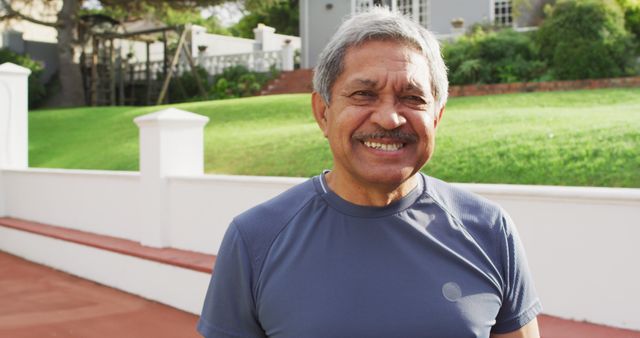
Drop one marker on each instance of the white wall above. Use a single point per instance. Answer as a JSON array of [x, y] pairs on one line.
[[206, 205], [100, 202], [582, 245], [221, 44], [281, 39], [2, 194]]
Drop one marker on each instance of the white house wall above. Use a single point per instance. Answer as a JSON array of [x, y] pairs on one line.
[[318, 24], [443, 11]]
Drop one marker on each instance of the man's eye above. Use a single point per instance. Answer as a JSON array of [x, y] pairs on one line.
[[363, 94], [413, 99]]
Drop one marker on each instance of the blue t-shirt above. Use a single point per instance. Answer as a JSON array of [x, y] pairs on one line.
[[440, 262]]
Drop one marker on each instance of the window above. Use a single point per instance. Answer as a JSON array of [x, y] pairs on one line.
[[364, 5], [417, 10], [503, 13]]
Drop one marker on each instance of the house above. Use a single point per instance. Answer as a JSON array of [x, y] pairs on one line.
[[319, 19], [26, 37]]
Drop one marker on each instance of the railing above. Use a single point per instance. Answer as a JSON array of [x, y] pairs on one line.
[[138, 71], [256, 61], [213, 64]]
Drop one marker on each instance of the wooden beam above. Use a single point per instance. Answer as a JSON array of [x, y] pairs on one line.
[[174, 62], [194, 71], [94, 72], [148, 74], [112, 74]]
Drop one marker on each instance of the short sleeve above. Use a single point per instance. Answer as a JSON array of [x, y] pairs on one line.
[[520, 303], [229, 309]]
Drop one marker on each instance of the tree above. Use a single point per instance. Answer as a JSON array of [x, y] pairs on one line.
[[583, 39], [283, 15], [631, 10], [67, 23]]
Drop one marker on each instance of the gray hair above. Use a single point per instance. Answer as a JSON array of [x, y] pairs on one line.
[[380, 24]]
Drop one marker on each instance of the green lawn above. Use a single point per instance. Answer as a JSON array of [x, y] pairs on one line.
[[563, 138]]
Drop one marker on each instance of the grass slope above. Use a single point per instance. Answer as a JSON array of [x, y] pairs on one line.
[[587, 138]]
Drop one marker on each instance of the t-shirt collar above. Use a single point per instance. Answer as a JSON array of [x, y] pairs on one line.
[[351, 209]]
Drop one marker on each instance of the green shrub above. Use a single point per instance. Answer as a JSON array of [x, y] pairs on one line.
[[586, 39], [493, 57], [631, 9], [238, 81], [37, 91], [185, 87]]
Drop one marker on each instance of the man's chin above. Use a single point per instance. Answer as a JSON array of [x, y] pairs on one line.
[[390, 179]]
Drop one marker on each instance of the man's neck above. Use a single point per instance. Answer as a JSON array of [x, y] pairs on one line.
[[378, 195]]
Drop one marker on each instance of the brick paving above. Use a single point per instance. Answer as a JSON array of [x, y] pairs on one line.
[[38, 302]]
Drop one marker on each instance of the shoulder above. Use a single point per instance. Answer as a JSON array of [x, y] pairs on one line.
[[466, 207], [457, 199], [277, 210], [259, 226]]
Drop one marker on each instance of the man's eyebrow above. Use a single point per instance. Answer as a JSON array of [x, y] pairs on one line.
[[367, 83], [411, 87]]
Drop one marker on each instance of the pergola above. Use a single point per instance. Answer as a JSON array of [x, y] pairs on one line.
[[105, 70]]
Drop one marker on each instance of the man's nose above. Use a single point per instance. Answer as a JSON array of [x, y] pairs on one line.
[[388, 116]]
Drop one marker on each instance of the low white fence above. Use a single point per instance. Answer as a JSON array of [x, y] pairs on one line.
[[255, 61], [581, 242], [216, 52]]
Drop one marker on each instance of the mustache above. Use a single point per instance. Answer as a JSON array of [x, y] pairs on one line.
[[396, 135]]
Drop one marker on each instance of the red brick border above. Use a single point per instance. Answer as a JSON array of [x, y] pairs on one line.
[[181, 258], [524, 87]]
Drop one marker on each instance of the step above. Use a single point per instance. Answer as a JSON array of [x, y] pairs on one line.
[[177, 278], [297, 81]]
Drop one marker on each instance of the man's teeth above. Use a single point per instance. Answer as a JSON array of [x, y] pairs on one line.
[[383, 146]]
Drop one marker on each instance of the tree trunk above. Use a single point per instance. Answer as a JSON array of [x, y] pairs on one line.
[[71, 92]]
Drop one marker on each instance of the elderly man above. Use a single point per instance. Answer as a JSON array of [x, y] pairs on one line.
[[374, 248]]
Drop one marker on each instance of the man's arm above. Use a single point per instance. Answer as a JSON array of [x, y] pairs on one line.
[[528, 331], [229, 308]]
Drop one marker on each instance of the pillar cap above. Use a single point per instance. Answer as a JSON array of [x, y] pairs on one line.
[[12, 68], [171, 116], [263, 28]]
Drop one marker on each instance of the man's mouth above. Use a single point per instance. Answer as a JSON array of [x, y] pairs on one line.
[[386, 140], [383, 146]]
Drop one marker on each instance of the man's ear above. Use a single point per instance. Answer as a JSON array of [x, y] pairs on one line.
[[319, 111], [438, 118]]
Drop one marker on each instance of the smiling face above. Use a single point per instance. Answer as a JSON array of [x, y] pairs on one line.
[[381, 120]]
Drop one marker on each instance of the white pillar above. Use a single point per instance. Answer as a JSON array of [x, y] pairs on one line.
[[14, 105], [265, 37], [171, 144], [287, 56], [197, 38]]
